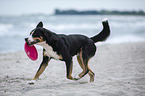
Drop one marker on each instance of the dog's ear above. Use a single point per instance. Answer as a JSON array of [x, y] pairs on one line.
[[40, 24]]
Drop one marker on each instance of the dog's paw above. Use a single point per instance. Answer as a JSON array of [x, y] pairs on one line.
[[76, 77], [31, 82]]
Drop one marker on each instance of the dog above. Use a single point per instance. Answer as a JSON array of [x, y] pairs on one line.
[[64, 47]]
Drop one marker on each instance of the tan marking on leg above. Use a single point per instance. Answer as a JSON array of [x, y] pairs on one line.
[[69, 76], [80, 60], [40, 71], [91, 74], [44, 53], [81, 63]]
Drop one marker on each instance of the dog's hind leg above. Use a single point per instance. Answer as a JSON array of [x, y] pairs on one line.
[[80, 63], [91, 74], [84, 65]]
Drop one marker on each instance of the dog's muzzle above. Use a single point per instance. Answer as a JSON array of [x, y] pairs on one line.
[[31, 42]]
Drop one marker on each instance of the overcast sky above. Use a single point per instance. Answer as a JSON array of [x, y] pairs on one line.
[[20, 7]]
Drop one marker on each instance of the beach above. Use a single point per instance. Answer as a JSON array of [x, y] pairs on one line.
[[119, 71]]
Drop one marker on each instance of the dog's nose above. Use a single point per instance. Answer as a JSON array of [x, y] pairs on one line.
[[26, 39]]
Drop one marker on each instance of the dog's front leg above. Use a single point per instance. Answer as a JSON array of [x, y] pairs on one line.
[[42, 67], [69, 67]]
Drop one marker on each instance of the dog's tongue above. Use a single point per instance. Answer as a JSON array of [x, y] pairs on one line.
[[31, 51]]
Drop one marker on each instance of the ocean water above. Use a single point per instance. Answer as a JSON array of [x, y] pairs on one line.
[[13, 29]]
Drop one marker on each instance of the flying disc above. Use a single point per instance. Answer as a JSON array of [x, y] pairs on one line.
[[31, 51]]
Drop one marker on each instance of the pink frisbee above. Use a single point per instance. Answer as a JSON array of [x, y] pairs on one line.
[[31, 51]]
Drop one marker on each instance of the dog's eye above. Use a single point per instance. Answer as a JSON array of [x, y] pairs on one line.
[[35, 35], [32, 31]]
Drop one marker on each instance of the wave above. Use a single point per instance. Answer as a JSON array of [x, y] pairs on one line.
[[128, 24], [25, 29], [66, 26], [123, 28], [5, 28], [125, 39]]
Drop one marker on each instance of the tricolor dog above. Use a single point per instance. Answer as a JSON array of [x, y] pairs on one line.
[[64, 47]]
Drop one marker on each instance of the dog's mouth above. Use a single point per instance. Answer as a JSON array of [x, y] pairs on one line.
[[33, 42], [30, 43]]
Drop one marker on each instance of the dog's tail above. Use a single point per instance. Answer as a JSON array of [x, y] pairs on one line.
[[104, 34]]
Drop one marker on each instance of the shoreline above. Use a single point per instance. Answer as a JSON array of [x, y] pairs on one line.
[[119, 70], [99, 44]]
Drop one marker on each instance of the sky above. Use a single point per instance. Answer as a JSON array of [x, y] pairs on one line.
[[23, 7]]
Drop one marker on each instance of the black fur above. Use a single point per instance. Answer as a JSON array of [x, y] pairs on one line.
[[102, 36]]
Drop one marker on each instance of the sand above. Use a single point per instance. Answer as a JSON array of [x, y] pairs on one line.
[[119, 69]]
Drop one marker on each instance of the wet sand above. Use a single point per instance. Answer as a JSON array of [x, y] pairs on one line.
[[119, 71]]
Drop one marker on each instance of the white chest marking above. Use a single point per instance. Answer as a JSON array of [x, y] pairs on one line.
[[49, 51]]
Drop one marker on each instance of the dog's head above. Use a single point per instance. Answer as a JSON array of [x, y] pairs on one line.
[[38, 35]]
